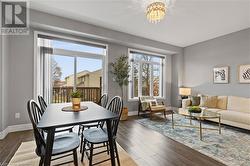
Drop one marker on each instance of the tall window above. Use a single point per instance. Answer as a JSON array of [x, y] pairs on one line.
[[68, 65], [147, 74]]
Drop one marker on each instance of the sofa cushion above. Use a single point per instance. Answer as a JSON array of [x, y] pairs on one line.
[[240, 104], [213, 110], [235, 116], [158, 108], [222, 102]]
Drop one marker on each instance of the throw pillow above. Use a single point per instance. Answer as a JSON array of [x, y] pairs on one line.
[[195, 100], [208, 101], [222, 102], [211, 102], [203, 100], [153, 103]]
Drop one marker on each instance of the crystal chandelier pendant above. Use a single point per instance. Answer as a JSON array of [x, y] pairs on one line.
[[156, 11]]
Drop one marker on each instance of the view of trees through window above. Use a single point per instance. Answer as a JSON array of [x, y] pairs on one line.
[[146, 75]]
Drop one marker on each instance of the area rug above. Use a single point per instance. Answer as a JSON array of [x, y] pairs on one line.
[[232, 147], [25, 156]]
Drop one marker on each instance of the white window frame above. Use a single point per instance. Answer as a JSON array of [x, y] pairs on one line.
[[38, 73], [162, 87]]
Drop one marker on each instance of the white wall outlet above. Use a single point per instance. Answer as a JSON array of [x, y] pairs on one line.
[[17, 115]]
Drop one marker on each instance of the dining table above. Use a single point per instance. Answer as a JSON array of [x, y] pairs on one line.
[[54, 118]]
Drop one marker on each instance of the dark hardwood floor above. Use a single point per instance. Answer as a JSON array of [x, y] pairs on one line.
[[150, 148], [145, 146]]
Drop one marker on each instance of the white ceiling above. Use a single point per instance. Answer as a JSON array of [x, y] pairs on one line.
[[188, 21]]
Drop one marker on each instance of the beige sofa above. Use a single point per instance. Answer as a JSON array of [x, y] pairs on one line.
[[235, 111]]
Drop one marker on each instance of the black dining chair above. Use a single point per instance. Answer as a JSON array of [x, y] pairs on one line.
[[102, 102], [43, 106], [42, 102], [63, 143], [95, 136]]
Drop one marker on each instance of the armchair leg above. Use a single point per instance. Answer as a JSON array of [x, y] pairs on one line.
[[164, 113]]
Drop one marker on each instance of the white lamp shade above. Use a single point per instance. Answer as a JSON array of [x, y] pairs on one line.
[[185, 91]]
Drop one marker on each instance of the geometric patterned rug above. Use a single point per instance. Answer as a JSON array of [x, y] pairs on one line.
[[231, 147]]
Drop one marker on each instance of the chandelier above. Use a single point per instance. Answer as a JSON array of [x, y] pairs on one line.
[[156, 11]]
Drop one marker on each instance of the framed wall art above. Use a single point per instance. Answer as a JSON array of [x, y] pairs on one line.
[[221, 75], [244, 74]]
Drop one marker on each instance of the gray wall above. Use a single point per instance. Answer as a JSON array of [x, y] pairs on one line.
[[20, 50], [4, 78], [177, 78], [20, 77], [229, 50], [1, 84]]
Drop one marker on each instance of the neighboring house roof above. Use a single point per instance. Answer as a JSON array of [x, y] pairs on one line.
[[84, 73]]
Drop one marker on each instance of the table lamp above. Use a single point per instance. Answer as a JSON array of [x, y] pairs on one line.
[[184, 92]]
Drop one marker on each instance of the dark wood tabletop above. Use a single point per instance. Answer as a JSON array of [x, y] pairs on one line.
[[54, 116]]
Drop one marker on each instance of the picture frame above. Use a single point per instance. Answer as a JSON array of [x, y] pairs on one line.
[[221, 75], [244, 74]]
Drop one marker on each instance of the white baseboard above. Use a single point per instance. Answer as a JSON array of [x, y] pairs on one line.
[[14, 128], [132, 113]]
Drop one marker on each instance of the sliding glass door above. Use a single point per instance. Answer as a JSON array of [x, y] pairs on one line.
[[72, 66]]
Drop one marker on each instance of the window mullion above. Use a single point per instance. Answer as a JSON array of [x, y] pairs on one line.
[[151, 80], [132, 82], [75, 72], [161, 81], [140, 80]]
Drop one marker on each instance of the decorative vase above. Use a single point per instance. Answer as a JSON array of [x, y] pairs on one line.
[[124, 115], [76, 103]]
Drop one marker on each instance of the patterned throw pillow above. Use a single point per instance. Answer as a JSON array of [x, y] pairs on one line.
[[153, 103], [195, 100]]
